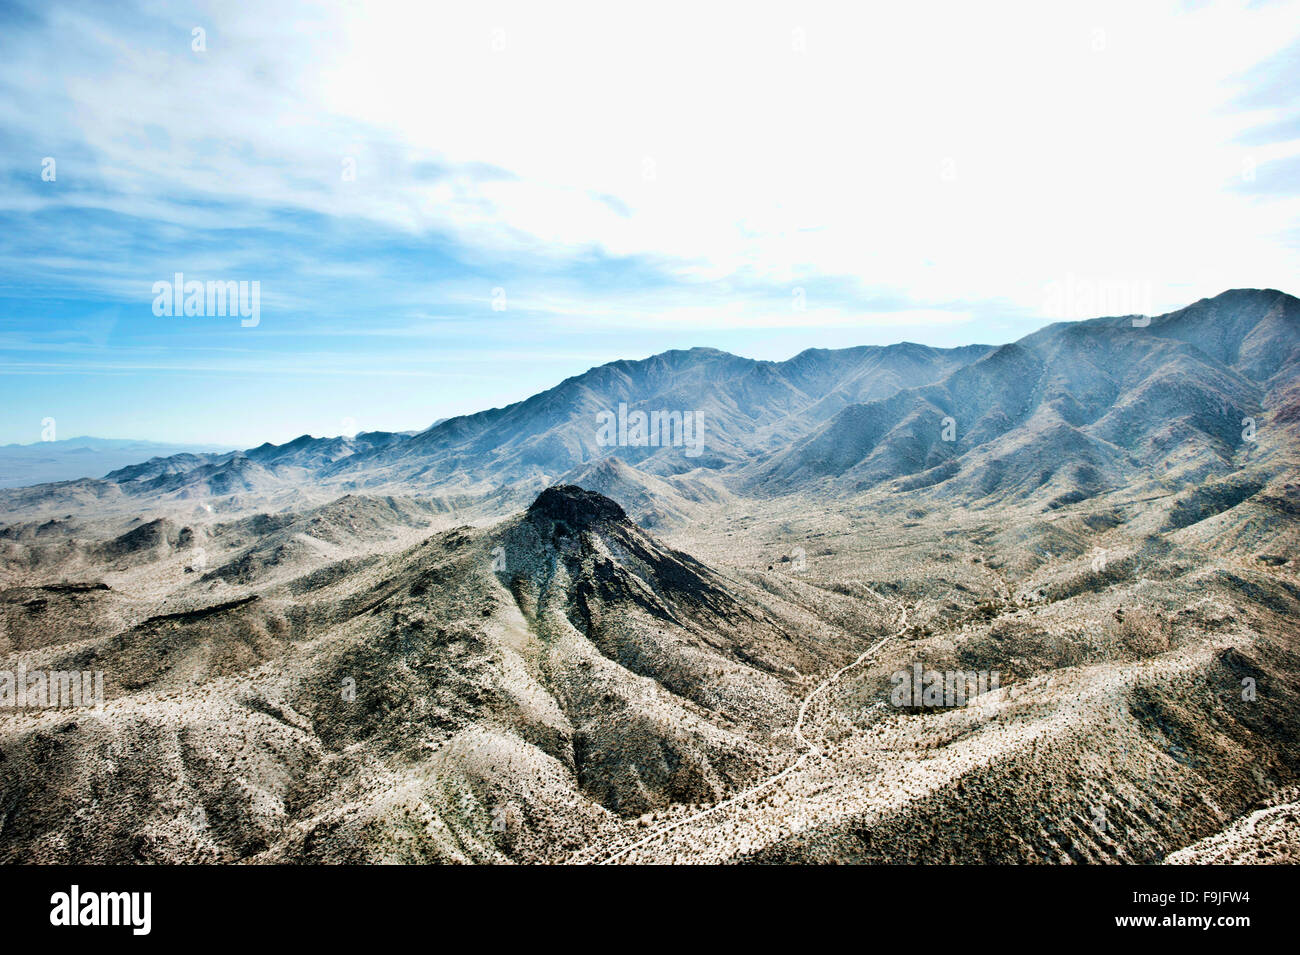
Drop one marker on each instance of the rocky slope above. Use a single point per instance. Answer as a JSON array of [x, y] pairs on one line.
[[475, 665], [559, 671]]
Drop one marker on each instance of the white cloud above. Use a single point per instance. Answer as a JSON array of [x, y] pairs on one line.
[[934, 153]]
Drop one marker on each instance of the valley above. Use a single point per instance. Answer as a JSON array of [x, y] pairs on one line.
[[502, 640]]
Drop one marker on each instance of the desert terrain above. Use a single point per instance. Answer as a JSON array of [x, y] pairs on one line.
[[500, 641]]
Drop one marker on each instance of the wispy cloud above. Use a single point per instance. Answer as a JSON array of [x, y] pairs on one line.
[[393, 173]]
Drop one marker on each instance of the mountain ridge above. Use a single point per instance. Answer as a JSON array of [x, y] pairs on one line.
[[1097, 403]]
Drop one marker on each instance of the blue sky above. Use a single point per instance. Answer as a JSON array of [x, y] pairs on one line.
[[761, 178]]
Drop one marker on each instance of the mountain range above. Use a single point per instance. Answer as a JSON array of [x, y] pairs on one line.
[[69, 459], [1069, 412], [508, 638]]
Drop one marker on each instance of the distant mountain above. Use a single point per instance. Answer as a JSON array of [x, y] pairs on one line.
[[737, 408], [713, 411], [68, 460], [1072, 411]]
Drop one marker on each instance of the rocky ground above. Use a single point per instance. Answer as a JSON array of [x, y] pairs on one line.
[[373, 680]]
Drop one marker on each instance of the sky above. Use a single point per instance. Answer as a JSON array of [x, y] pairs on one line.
[[450, 207]]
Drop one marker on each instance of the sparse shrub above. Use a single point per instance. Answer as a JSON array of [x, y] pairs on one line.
[[1142, 632]]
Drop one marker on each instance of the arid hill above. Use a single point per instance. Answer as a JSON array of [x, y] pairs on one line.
[[421, 647]]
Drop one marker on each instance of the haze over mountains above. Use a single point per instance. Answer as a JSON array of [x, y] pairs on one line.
[[69, 459], [501, 639], [1066, 413]]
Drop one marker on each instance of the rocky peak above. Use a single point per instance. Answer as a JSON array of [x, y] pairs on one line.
[[576, 507]]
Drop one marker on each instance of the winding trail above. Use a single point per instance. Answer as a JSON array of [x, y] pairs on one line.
[[810, 749], [1252, 823]]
